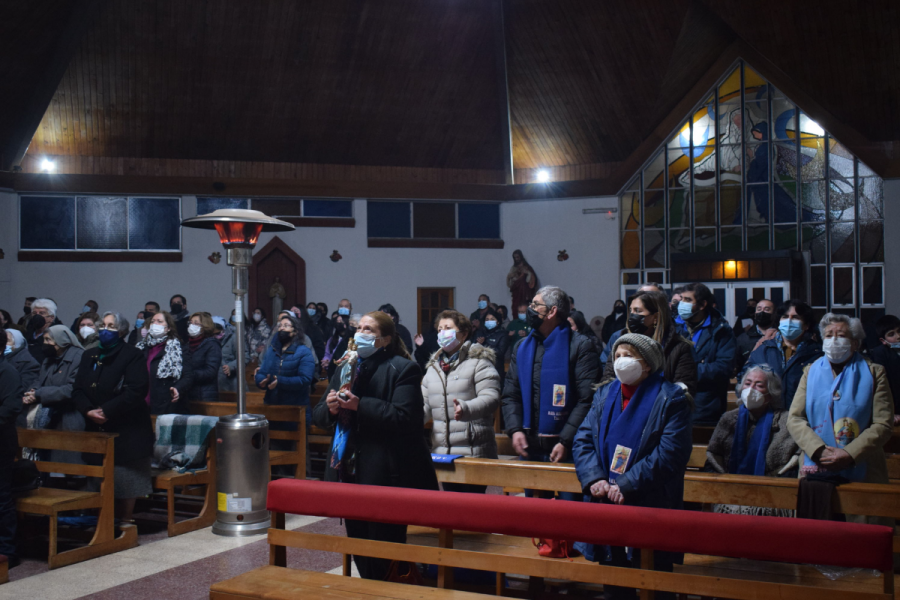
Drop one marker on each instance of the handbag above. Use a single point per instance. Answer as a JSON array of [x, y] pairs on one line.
[[25, 477], [411, 577], [553, 548]]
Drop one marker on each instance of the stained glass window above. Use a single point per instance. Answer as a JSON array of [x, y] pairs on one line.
[[748, 169]]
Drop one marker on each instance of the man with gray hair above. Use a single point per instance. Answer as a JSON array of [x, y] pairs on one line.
[[548, 388]]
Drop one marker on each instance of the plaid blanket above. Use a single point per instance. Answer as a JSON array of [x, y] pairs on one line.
[[181, 441]]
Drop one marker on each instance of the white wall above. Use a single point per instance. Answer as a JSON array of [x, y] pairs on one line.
[[368, 276]]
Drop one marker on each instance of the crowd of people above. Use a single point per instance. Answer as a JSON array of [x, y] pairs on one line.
[[617, 398]]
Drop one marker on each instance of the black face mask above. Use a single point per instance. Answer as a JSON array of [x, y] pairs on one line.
[[636, 323], [49, 351], [284, 337], [27, 310], [36, 322], [176, 307], [534, 318], [763, 320], [619, 309], [340, 326], [353, 331]]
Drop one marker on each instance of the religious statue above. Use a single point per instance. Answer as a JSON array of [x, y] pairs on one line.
[[521, 280], [277, 293], [347, 363]]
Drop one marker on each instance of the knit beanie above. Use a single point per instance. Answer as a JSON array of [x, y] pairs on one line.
[[648, 348]]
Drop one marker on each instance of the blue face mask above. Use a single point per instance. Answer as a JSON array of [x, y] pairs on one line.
[[85, 309], [490, 324], [685, 310], [8, 350], [790, 328], [522, 316], [138, 323], [365, 344], [108, 337], [895, 346], [482, 304], [344, 311], [311, 312]]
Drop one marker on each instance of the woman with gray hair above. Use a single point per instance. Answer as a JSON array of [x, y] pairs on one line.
[[110, 391], [753, 439], [843, 411]]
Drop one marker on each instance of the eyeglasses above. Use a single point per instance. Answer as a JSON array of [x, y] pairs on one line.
[[534, 305]]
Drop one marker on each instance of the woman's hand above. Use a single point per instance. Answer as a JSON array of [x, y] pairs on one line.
[[175, 394], [29, 397], [332, 402], [457, 410], [835, 459], [419, 339], [274, 383], [226, 370], [324, 363], [615, 495], [264, 383], [351, 403], [97, 416], [600, 489]]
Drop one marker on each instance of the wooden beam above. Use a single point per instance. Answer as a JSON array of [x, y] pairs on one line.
[[503, 85], [15, 143]]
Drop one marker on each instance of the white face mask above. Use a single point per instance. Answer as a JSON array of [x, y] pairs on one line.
[[628, 370], [87, 332], [157, 330], [447, 339], [752, 399], [194, 330], [836, 349]]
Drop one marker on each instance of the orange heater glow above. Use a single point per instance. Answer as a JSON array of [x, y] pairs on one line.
[[234, 233], [730, 269]]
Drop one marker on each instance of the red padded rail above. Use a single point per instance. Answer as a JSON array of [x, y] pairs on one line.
[[738, 536]]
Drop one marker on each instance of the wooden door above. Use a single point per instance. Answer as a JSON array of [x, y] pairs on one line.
[[431, 302], [276, 259]]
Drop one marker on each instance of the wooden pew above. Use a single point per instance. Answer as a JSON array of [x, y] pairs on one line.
[[4, 569], [274, 414], [50, 502], [169, 480]]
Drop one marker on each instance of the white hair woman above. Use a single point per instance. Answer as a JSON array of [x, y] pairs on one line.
[[842, 414]]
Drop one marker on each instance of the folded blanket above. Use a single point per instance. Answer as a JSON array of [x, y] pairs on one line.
[[181, 441]]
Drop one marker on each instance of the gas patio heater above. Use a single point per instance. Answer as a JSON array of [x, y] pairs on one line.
[[242, 449]]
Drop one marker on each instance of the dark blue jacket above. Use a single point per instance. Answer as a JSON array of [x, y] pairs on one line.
[[714, 354], [294, 369], [770, 353], [206, 361], [656, 476]]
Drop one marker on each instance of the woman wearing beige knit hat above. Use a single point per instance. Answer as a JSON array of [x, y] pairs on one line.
[[634, 445]]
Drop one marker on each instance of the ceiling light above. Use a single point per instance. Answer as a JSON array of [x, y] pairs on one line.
[[543, 176], [48, 166]]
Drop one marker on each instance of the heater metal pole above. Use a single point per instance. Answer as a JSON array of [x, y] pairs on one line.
[[240, 259]]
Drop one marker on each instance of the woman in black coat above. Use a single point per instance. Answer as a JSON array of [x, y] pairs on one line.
[[206, 358], [494, 337], [379, 439], [168, 362], [111, 392], [614, 321]]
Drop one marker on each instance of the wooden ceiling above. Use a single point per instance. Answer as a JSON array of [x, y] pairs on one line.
[[417, 86]]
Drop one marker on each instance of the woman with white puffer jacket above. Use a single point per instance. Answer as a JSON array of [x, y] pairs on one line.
[[461, 389]]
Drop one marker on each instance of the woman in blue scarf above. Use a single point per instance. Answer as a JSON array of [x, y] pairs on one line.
[[634, 445], [843, 412]]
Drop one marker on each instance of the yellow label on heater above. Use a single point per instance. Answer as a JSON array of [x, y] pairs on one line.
[[222, 502]]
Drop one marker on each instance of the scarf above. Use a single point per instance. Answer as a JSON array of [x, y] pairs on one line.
[[695, 333], [556, 393], [195, 342], [748, 457], [839, 408], [170, 365], [623, 428]]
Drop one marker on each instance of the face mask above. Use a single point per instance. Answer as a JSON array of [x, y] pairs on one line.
[[220, 335], [36, 322], [752, 399], [108, 337], [636, 323], [619, 309], [789, 328], [895, 345], [685, 310], [284, 337], [482, 304], [628, 370], [763, 320], [27, 310], [522, 316], [490, 324], [365, 344], [194, 330], [447, 339], [87, 332], [157, 330], [138, 323], [49, 351], [8, 350], [176, 307], [344, 311], [837, 350], [256, 317], [311, 312], [85, 309], [535, 320]]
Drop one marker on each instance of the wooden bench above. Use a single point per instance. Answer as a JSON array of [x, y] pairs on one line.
[[169, 480], [497, 545], [4, 569], [274, 414], [50, 502]]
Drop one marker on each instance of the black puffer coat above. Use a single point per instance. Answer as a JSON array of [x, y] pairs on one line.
[[206, 362]]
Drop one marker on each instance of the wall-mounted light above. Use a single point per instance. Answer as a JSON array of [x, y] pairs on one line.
[[543, 176], [730, 269], [48, 166]]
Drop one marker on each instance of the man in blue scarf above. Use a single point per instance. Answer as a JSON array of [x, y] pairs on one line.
[[548, 392]]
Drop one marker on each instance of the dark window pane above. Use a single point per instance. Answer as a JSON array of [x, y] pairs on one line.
[[327, 208], [631, 250], [871, 197], [843, 285], [785, 237], [277, 208], [704, 207], [630, 278], [758, 238], [842, 199], [434, 220], [154, 224], [719, 296], [872, 285], [785, 202], [654, 208], [843, 243], [388, 219], [758, 204], [818, 286], [814, 241], [731, 239], [208, 205], [654, 249], [653, 174], [102, 223], [777, 296], [813, 198], [871, 241], [705, 240], [479, 221], [730, 205], [656, 277], [679, 241], [47, 223], [679, 209], [631, 216]]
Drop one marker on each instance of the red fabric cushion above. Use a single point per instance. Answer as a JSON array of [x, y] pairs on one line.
[[757, 538]]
